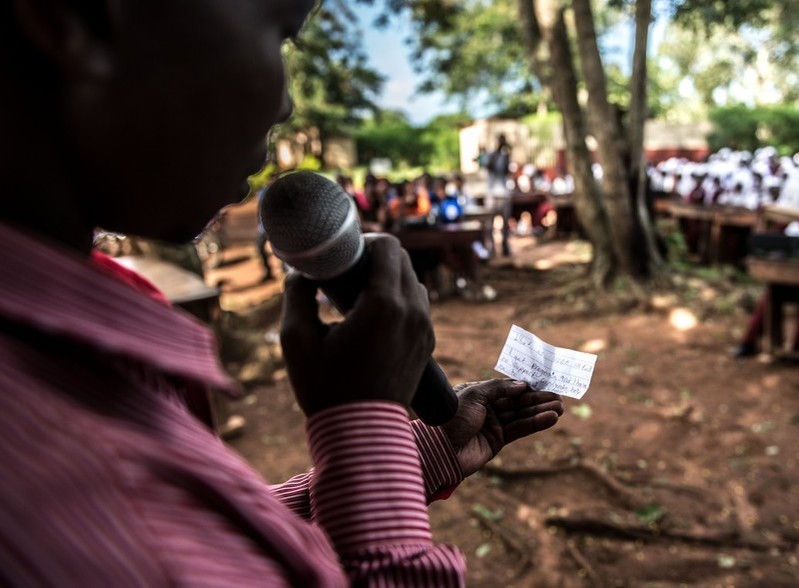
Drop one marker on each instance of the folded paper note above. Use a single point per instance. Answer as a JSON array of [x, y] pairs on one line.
[[545, 367]]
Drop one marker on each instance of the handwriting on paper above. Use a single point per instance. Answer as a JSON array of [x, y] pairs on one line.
[[545, 367]]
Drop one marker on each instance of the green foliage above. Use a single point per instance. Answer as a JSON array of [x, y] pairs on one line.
[[471, 50], [434, 147], [260, 179], [779, 126], [732, 15], [735, 127], [742, 127], [487, 513], [543, 123], [651, 513], [311, 163], [332, 86], [664, 98], [393, 138], [542, 126], [442, 136], [674, 240], [716, 45]]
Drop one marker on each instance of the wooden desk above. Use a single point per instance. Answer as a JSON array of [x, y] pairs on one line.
[[485, 216], [695, 223], [563, 204], [781, 277], [452, 242], [479, 213], [529, 202], [774, 215], [716, 222], [730, 222], [567, 223], [681, 209], [181, 287]]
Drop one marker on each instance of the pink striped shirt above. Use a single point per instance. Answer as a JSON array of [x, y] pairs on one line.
[[108, 478]]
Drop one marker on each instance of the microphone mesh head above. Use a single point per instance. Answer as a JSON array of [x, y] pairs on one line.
[[312, 224]]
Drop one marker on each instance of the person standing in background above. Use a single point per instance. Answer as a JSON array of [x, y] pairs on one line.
[[499, 196]]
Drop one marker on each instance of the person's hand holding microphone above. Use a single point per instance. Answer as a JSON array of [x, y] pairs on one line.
[[382, 349]]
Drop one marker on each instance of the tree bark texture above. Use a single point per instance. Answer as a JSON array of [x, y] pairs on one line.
[[587, 198], [639, 112], [605, 126]]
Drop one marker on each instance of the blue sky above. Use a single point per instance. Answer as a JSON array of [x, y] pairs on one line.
[[389, 55]]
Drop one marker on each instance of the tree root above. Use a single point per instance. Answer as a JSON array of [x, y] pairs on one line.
[[525, 532], [628, 498], [694, 491], [593, 526], [583, 563], [509, 537], [512, 541], [735, 538]]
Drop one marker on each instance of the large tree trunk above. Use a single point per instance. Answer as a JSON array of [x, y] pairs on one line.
[[639, 108], [639, 112], [587, 199], [605, 125]]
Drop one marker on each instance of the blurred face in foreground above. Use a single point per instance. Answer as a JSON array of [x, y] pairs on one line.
[[161, 106]]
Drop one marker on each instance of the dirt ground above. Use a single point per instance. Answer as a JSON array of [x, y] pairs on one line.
[[678, 468]]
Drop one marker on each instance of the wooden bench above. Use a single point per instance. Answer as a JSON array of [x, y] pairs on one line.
[[452, 243], [719, 225], [775, 215], [486, 217], [566, 225], [781, 278]]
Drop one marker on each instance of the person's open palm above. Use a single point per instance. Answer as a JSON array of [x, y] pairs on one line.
[[492, 414]]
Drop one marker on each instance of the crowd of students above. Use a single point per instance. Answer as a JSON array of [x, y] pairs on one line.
[[427, 199], [728, 177], [744, 179]]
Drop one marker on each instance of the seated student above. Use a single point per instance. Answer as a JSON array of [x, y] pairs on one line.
[[749, 344], [424, 187], [411, 206], [449, 210], [368, 213], [459, 192], [114, 474], [714, 192], [359, 198], [540, 182]]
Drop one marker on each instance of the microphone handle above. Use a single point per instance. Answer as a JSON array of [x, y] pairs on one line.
[[434, 402]]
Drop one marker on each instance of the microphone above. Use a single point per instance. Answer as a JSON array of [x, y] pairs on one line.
[[313, 226]]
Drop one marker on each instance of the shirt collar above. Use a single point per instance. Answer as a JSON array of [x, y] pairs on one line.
[[59, 292]]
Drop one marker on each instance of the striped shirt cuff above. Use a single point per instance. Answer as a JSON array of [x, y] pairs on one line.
[[440, 467], [367, 489]]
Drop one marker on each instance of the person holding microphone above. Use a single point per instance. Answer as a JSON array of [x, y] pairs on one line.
[[146, 118]]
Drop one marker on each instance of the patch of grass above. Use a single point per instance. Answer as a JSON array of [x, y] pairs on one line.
[[651, 513]]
